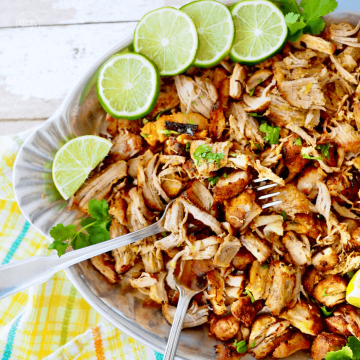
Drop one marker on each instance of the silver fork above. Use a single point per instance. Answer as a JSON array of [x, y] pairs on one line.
[[23, 274]]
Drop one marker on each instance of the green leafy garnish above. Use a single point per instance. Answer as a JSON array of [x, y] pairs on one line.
[[312, 300], [298, 142], [324, 294], [255, 114], [258, 146], [351, 274], [273, 133], [187, 146], [327, 313], [159, 114], [145, 135], [283, 214], [194, 103], [168, 132], [324, 150], [191, 122], [306, 156], [351, 351], [306, 18], [265, 266], [203, 152], [164, 233], [225, 175], [213, 180], [209, 204], [321, 217], [145, 121], [200, 97], [252, 344], [248, 293], [233, 155], [240, 346], [252, 92], [259, 81], [97, 229]]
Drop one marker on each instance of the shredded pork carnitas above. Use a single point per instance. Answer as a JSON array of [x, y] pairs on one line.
[[294, 119]]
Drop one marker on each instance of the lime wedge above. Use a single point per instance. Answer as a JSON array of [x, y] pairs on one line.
[[75, 160], [261, 31], [215, 28], [353, 290], [128, 86], [168, 37]]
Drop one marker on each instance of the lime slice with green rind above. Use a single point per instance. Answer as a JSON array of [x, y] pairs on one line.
[[169, 38], [75, 160], [353, 290], [128, 86], [261, 31], [216, 30]]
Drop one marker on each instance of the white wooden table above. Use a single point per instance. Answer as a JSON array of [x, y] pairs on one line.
[[45, 46]]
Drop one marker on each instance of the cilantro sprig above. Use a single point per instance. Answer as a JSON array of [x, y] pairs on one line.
[[96, 226], [273, 133], [240, 346], [203, 152], [306, 18], [324, 150], [351, 351], [298, 142], [249, 294], [306, 156]]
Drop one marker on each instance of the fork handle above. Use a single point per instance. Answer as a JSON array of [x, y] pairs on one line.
[[176, 327], [23, 274]]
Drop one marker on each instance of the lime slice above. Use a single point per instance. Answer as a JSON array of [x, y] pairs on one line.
[[75, 160], [261, 31], [168, 37], [215, 28], [128, 86], [353, 290]]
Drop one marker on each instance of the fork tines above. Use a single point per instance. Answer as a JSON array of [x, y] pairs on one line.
[[268, 186]]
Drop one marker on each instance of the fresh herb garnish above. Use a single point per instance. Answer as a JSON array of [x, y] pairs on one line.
[[306, 18], [233, 155], [164, 233], [259, 81], [200, 97], [213, 180], [298, 142], [351, 274], [159, 114], [145, 135], [324, 150], [351, 351], [321, 217], [194, 103], [283, 214], [168, 132], [306, 156], [191, 122], [187, 146], [203, 152], [145, 121], [273, 133], [255, 114], [324, 294], [252, 92], [97, 229], [258, 146], [209, 204], [248, 293], [225, 175], [327, 313], [265, 266], [240, 346], [252, 344], [312, 300]]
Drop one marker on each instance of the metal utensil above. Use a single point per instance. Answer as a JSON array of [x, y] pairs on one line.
[[186, 293]]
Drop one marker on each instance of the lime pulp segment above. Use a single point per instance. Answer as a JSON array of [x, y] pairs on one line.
[[215, 29], [353, 290], [128, 86], [168, 37], [260, 31], [75, 160]]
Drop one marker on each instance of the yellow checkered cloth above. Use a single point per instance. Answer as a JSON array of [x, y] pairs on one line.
[[52, 320]]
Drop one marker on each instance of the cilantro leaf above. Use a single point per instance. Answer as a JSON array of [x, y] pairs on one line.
[[98, 210], [252, 92], [298, 142], [295, 27], [187, 147], [354, 345], [327, 313], [324, 150], [240, 346], [168, 132], [213, 180], [144, 135], [324, 294], [265, 266], [283, 214], [62, 233], [248, 293], [252, 344], [344, 354], [203, 152], [59, 246], [273, 133], [80, 241], [288, 6], [191, 122], [98, 234], [306, 156], [351, 274]]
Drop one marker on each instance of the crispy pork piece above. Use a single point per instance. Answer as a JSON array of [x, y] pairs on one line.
[[144, 281], [235, 286], [200, 196], [325, 343], [341, 186], [99, 186], [299, 250], [195, 315], [218, 123], [224, 328], [243, 126], [242, 259], [258, 277], [325, 259], [197, 96], [280, 287], [104, 263], [304, 224], [308, 178], [152, 259], [310, 279], [346, 321], [237, 81], [266, 173], [226, 252], [258, 247], [258, 77], [227, 352], [331, 291], [298, 341], [317, 43], [275, 334], [118, 209], [216, 289], [293, 201], [245, 311], [258, 104], [345, 136], [232, 185], [125, 145], [293, 159], [259, 327], [157, 290], [168, 98], [306, 317], [117, 125]]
